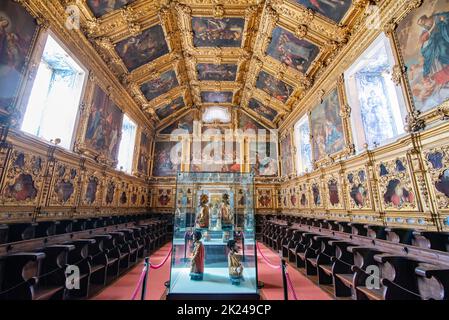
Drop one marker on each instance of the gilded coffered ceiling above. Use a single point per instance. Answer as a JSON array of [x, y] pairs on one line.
[[261, 56]]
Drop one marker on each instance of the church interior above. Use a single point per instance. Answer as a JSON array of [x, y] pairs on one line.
[[212, 149]]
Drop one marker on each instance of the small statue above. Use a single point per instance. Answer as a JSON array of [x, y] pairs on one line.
[[225, 211], [202, 220], [197, 262], [234, 264]]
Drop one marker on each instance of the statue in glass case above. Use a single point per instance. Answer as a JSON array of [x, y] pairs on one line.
[[234, 264], [202, 220], [197, 262], [227, 220]]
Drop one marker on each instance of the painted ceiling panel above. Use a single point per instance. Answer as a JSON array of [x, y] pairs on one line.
[[261, 56], [160, 85]]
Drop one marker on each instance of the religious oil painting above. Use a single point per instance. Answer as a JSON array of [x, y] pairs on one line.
[[23, 188], [273, 86], [286, 152], [264, 198], [267, 112], [264, 158], [216, 72], [327, 127], [398, 194], [181, 125], [316, 195], [17, 33], [144, 154], [102, 7], [64, 187], [142, 49], [110, 192], [170, 108], [442, 185], [248, 124], [167, 156], [296, 53], [160, 85], [91, 190], [358, 189], [104, 125], [332, 9], [211, 32], [334, 197], [216, 97], [424, 43]]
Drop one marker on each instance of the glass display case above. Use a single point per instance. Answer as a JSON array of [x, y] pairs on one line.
[[214, 249]]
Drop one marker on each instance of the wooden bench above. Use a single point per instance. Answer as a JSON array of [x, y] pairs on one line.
[[19, 274], [51, 283], [363, 258], [399, 235], [433, 281], [302, 247], [376, 232], [291, 244], [431, 240], [4, 229], [341, 272], [21, 231]]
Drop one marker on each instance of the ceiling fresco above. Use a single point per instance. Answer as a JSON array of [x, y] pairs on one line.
[[258, 55]]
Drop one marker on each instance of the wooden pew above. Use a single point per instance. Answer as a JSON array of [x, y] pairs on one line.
[[312, 252], [344, 226], [363, 258], [358, 229], [376, 232], [123, 249], [64, 226], [21, 231], [341, 271], [290, 244], [4, 229], [80, 258], [431, 240], [46, 229], [302, 247], [433, 281], [399, 235], [51, 282], [19, 275], [399, 279]]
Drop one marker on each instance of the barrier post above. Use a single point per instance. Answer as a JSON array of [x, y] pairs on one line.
[[145, 278], [284, 279]]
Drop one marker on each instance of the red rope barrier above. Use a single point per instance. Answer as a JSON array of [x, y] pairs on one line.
[[163, 261], [139, 283], [289, 281], [265, 258], [290, 285]]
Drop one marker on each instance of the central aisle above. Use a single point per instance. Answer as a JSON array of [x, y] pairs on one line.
[[123, 288]]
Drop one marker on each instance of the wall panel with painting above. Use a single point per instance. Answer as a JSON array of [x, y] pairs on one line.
[[60, 163], [387, 175]]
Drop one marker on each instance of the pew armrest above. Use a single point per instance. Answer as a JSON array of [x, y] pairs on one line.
[[429, 270]]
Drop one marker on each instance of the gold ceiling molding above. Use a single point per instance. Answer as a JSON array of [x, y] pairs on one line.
[[99, 36]]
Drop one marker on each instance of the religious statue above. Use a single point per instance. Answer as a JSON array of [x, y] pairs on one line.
[[197, 262], [234, 264], [202, 220], [225, 211]]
